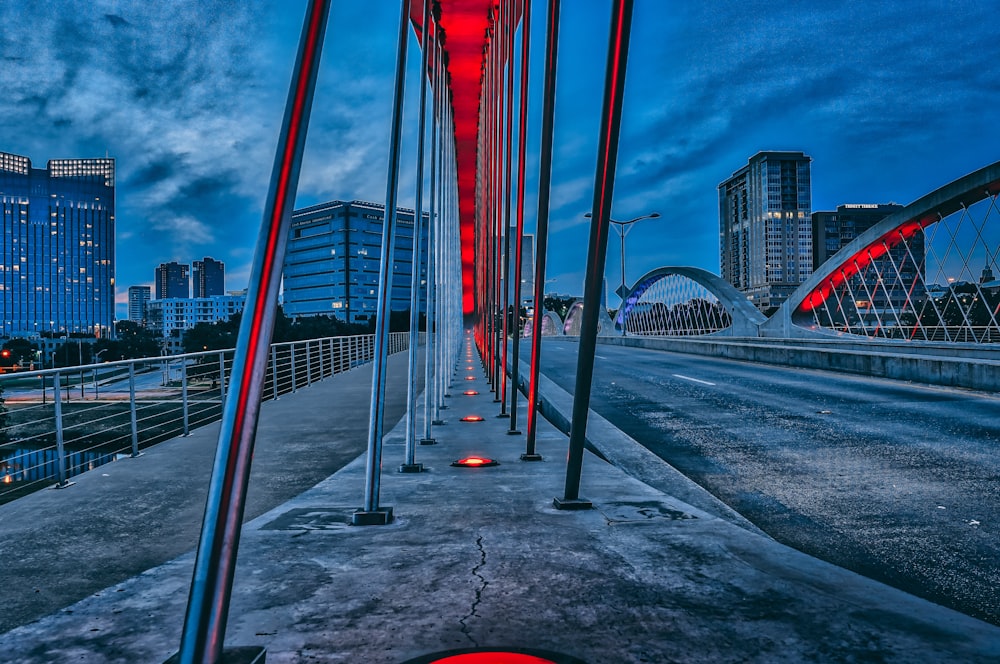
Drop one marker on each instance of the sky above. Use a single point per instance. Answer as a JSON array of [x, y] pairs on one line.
[[891, 100]]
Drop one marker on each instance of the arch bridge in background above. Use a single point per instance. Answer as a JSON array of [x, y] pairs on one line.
[[927, 272], [687, 301]]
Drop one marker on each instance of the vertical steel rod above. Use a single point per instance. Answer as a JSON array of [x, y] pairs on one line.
[[522, 144], [211, 586], [60, 451], [431, 368], [131, 402], [292, 352], [184, 397], [410, 464], [274, 373], [604, 184], [542, 221], [370, 513]]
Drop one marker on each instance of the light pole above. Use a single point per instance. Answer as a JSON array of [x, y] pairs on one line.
[[623, 228]]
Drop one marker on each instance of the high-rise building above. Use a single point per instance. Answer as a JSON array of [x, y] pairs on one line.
[[209, 277], [832, 231], [332, 261], [765, 227], [172, 280], [138, 298], [57, 259]]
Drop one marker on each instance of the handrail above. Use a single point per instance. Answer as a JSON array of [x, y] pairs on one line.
[[105, 417]]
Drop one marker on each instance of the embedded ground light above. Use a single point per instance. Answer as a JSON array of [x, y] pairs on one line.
[[472, 418], [475, 462]]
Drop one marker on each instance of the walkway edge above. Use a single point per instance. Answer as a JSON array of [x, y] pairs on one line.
[[621, 450]]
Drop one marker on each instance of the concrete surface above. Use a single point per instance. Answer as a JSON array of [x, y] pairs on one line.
[[479, 557]]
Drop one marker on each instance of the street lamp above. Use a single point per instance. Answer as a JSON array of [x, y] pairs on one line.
[[623, 228]]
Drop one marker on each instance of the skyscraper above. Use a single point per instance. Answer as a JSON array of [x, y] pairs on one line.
[[209, 277], [332, 261], [57, 259], [172, 280], [138, 298], [765, 227]]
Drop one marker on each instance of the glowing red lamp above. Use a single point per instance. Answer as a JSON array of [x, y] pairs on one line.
[[470, 378], [472, 418], [470, 393], [475, 462]]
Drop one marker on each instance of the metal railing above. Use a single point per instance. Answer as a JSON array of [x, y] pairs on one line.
[[62, 422]]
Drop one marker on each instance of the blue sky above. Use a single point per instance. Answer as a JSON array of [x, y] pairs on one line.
[[890, 99]]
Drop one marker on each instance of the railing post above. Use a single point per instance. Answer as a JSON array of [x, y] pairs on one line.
[[131, 408], [184, 396], [309, 374], [294, 376], [274, 373], [60, 451], [222, 376]]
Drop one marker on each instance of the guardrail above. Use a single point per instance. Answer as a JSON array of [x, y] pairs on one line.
[[63, 422]]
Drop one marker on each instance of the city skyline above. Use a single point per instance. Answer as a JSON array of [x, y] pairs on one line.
[[187, 99]]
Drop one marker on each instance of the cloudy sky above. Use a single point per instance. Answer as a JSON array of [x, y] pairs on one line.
[[890, 99]]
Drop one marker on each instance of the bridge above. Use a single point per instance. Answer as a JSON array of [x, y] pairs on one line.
[[489, 549]]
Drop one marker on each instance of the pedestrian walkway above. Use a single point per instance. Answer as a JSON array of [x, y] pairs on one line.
[[480, 558]]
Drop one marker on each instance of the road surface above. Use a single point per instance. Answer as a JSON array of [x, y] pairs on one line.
[[896, 481]]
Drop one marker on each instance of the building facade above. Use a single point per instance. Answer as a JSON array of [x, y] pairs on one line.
[[832, 231], [209, 277], [169, 318], [172, 280], [138, 299], [765, 227], [889, 286], [57, 258], [332, 261]]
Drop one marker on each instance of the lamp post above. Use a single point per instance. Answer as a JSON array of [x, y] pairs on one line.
[[623, 228]]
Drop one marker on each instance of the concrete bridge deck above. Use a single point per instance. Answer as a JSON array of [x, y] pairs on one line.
[[479, 558]]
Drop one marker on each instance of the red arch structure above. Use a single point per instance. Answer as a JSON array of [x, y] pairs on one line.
[[468, 30]]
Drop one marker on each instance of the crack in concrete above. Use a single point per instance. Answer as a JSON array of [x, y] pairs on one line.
[[479, 592]]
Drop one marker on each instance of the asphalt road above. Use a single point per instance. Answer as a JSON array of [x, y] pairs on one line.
[[893, 480]]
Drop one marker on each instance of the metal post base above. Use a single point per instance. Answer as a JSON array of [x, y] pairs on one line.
[[437, 423], [380, 517], [503, 415], [411, 468], [428, 441], [63, 485], [531, 457], [572, 504], [513, 432], [235, 655]]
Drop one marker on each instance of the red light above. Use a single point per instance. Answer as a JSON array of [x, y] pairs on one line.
[[470, 378], [470, 393], [472, 418], [6, 353], [475, 462]]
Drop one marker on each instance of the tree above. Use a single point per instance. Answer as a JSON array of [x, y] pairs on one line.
[[135, 341], [20, 352]]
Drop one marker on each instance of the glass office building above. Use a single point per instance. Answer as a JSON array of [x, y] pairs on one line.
[[138, 299], [332, 261], [57, 259], [765, 227]]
